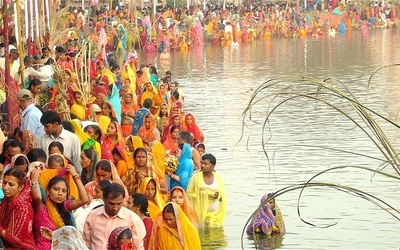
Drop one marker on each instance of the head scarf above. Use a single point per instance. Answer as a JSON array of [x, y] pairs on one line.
[[158, 200], [192, 128], [184, 231], [148, 134], [113, 238], [14, 158], [186, 207], [265, 218]]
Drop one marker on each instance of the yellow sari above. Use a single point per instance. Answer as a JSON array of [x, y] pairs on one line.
[[76, 124], [157, 204], [184, 236], [137, 143]]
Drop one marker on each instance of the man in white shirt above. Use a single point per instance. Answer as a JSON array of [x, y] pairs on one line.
[[55, 132]]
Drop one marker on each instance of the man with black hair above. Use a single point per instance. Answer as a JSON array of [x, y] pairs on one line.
[[103, 220], [55, 132]]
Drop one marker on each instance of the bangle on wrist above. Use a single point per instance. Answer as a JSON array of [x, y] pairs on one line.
[[33, 184]]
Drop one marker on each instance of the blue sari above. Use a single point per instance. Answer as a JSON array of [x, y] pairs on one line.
[[185, 168], [138, 121], [114, 99]]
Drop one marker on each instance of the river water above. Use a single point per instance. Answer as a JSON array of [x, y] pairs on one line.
[[218, 82]]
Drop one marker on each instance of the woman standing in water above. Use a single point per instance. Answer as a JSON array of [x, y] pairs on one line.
[[269, 219]]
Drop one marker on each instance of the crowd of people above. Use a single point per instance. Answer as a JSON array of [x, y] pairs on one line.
[[128, 170]]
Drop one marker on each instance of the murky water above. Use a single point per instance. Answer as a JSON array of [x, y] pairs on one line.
[[218, 83]]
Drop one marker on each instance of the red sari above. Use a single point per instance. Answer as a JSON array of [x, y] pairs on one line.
[[16, 217]]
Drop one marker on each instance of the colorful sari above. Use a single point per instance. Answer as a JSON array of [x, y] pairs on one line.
[[185, 168], [137, 143], [16, 217], [186, 206], [268, 220], [108, 144], [192, 128], [116, 103], [84, 137], [157, 204], [151, 134], [184, 236]]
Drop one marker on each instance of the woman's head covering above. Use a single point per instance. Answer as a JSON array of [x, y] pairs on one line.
[[113, 238]]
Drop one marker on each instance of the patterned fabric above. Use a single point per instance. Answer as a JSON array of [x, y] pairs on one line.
[[267, 219], [16, 217], [67, 238]]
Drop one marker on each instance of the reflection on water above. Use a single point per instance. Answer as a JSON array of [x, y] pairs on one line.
[[213, 238], [218, 83], [262, 241]]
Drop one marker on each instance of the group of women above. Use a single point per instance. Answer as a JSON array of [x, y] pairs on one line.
[[136, 129]]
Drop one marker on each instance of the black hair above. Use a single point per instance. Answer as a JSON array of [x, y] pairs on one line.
[[18, 174], [92, 155], [64, 214], [16, 144], [209, 157], [21, 160], [3, 155], [186, 137], [104, 165], [169, 208], [96, 129], [33, 83], [114, 190], [141, 149], [173, 127], [116, 152], [50, 116], [103, 184], [56, 144], [35, 154], [67, 125], [141, 201], [125, 234], [147, 103], [175, 95]]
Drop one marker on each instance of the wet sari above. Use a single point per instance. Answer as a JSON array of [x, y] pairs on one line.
[[192, 128], [268, 220]]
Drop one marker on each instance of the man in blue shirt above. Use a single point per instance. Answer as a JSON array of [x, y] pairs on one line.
[[31, 114]]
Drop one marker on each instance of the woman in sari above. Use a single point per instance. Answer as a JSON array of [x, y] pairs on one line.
[[269, 219], [174, 120], [176, 231], [161, 97], [129, 108], [184, 171], [112, 138], [162, 117], [79, 107], [88, 162], [148, 132], [114, 99], [16, 213], [55, 212], [105, 170], [148, 94], [119, 156], [89, 137], [151, 189], [190, 125], [172, 141], [21, 162], [132, 142], [139, 204], [179, 196]]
